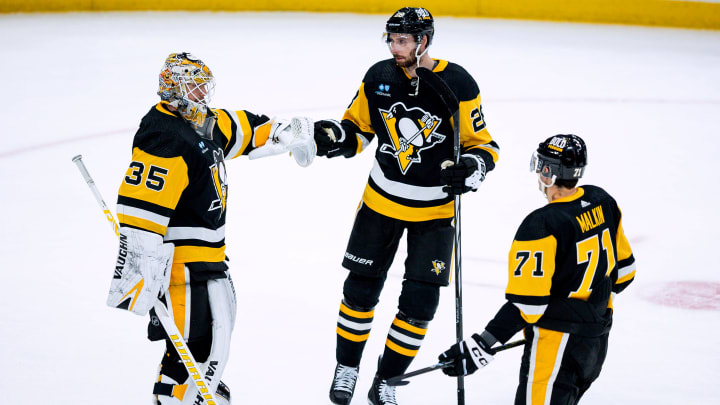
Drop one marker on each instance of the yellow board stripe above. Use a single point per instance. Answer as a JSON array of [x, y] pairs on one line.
[[351, 336], [414, 329], [405, 352], [382, 205], [356, 314], [692, 14]]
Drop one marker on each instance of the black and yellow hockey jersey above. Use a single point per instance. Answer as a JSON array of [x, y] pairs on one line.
[[414, 137], [176, 184], [566, 260]]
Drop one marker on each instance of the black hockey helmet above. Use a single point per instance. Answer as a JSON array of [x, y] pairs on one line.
[[561, 156], [411, 20]]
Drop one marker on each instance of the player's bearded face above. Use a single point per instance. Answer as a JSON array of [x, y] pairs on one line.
[[402, 47]]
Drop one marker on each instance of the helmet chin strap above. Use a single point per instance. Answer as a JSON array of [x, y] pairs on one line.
[[417, 61], [544, 187]]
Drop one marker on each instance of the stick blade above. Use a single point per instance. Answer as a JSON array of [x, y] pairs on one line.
[[397, 381]]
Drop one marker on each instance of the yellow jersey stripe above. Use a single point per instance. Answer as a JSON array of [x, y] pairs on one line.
[[246, 130], [142, 224], [189, 254], [389, 208]]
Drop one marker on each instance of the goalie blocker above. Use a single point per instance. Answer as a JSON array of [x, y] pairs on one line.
[[142, 270]]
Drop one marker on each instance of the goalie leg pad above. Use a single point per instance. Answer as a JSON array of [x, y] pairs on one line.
[[211, 351], [223, 306]]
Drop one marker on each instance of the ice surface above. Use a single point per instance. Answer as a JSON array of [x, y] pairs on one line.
[[644, 99]]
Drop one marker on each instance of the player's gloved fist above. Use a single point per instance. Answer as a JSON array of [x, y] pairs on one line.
[[467, 356], [328, 135], [464, 176]]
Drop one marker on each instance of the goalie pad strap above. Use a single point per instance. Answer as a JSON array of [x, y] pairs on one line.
[[163, 389]]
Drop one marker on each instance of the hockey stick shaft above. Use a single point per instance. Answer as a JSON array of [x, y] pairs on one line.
[[161, 311], [91, 183], [399, 380], [452, 105]]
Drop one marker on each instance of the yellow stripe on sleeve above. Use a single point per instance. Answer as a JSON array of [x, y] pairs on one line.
[[531, 265], [154, 179], [246, 131], [623, 246], [359, 111]]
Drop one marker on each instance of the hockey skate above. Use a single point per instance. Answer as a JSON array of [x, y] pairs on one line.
[[343, 385], [381, 393]]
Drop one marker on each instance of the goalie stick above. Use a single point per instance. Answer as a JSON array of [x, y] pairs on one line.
[[400, 380], [192, 367], [452, 107]]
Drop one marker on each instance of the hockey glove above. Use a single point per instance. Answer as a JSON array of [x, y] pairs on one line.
[[464, 176], [329, 136], [294, 136], [142, 271], [467, 356]]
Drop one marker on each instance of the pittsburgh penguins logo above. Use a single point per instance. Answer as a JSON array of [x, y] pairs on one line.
[[219, 177], [438, 267], [411, 131]]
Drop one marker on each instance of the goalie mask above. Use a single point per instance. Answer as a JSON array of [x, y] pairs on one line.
[[560, 157], [187, 84]]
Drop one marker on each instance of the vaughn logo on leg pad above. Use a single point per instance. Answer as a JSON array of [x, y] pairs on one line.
[[122, 255]]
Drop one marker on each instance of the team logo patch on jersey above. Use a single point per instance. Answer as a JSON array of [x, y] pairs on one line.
[[219, 176], [411, 131], [438, 266]]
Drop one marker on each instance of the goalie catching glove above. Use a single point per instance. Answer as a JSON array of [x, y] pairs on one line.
[[142, 270], [294, 136], [469, 355], [464, 176]]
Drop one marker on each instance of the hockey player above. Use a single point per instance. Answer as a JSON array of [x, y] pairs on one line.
[[567, 262], [406, 190], [171, 208]]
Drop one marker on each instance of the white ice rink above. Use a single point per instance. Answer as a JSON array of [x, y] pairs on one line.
[[646, 101]]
